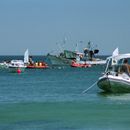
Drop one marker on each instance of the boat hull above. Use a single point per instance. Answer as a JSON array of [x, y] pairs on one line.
[[58, 61], [15, 69], [100, 62], [114, 85], [36, 67], [80, 65]]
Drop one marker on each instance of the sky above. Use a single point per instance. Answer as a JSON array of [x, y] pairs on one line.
[[46, 26]]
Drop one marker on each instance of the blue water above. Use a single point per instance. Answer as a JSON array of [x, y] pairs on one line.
[[52, 99]]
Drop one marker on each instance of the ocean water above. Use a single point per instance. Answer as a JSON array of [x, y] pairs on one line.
[[52, 99]]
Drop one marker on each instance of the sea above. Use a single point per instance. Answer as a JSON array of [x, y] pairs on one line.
[[56, 99]]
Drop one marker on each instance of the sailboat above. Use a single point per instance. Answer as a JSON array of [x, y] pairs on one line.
[[116, 78]]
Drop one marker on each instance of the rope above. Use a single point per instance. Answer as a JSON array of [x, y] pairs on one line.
[[89, 87]]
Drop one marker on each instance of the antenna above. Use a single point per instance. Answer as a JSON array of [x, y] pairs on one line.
[[76, 48], [64, 40], [89, 45], [59, 46]]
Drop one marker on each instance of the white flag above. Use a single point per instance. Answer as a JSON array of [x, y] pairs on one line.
[[115, 52]]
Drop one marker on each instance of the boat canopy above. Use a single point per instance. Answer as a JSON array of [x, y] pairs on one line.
[[120, 56], [16, 61]]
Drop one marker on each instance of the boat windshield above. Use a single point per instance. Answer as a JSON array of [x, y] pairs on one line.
[[120, 69], [121, 61]]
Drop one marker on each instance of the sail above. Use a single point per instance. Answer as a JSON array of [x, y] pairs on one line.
[[26, 56]]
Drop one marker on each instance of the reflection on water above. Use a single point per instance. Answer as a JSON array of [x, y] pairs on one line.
[[116, 96]]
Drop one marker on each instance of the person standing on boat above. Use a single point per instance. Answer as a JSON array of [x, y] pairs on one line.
[[31, 62]]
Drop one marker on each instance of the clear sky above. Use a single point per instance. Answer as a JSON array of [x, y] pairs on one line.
[[42, 25]]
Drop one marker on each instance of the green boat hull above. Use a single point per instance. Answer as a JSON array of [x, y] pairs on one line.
[[15, 69], [54, 60], [114, 85]]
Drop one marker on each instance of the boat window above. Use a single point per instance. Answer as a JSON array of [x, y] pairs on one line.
[[120, 69], [121, 61], [109, 64], [116, 68], [128, 60], [124, 69]]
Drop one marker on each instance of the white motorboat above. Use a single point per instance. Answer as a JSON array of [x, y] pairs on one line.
[[19, 65], [16, 66], [3, 65], [116, 78]]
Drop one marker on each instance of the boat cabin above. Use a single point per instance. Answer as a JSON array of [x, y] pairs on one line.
[[118, 64]]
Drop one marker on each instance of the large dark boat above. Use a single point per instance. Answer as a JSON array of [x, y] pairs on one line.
[[64, 58], [67, 57]]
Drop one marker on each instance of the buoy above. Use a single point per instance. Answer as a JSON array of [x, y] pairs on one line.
[[18, 71]]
